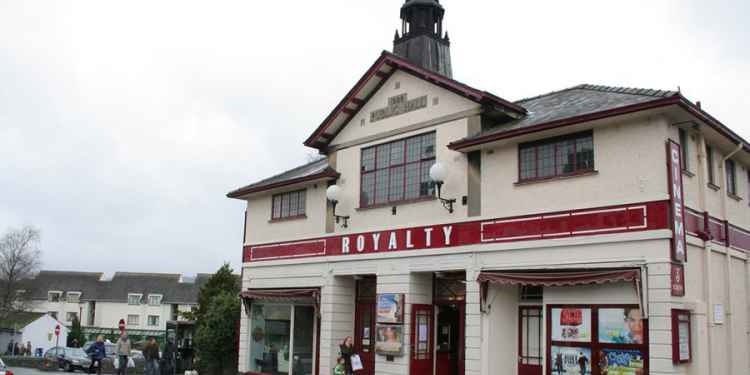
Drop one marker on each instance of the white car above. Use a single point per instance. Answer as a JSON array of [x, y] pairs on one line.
[[4, 370]]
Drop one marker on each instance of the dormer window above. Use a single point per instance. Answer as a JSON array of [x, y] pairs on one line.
[[73, 297], [154, 299], [134, 299], [54, 296]]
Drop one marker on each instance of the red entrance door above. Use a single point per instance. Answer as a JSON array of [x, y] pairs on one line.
[[364, 340], [421, 339], [449, 350], [530, 340]]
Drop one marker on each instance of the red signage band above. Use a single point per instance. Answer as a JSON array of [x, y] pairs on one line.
[[677, 279], [677, 202], [574, 223]]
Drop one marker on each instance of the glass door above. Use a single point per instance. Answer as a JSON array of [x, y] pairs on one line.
[[530, 340], [282, 339]]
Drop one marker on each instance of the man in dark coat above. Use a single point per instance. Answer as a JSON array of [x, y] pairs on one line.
[[151, 355]]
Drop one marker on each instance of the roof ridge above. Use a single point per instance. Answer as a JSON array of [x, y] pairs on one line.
[[627, 90], [153, 274]]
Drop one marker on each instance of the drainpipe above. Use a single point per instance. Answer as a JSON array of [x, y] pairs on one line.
[[701, 170], [728, 273]]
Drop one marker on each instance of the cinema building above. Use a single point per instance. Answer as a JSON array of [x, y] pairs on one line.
[[453, 232]]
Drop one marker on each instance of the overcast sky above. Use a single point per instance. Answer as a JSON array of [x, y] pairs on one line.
[[124, 124]]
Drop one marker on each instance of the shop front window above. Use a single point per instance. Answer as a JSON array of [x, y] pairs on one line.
[[282, 339]]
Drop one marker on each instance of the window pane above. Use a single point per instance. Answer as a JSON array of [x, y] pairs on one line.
[[528, 163], [566, 157], [368, 159], [585, 153], [546, 160], [428, 146], [302, 201], [426, 187], [285, 205], [381, 186], [293, 203], [269, 338], [368, 189], [397, 153], [413, 149], [304, 327], [277, 206], [383, 156], [397, 184], [412, 181]]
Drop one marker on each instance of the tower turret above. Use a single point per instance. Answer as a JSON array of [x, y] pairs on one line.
[[422, 40]]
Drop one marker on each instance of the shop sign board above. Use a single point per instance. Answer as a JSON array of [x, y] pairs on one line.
[[389, 339], [677, 280], [677, 202], [621, 326], [571, 360], [390, 309], [571, 324], [594, 221], [681, 336]]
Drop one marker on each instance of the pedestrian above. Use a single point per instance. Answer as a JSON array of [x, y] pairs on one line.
[[168, 359], [10, 348], [347, 350], [151, 355], [97, 352], [19, 349], [75, 344], [123, 353], [582, 362], [340, 368], [28, 348]]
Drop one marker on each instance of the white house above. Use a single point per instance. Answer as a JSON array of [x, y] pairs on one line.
[[449, 231], [35, 328]]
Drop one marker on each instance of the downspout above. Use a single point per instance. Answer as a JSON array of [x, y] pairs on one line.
[[701, 170], [728, 273]]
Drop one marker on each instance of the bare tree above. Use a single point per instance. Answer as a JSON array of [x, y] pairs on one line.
[[19, 262]]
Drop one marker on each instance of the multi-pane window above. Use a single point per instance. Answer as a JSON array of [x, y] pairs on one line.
[[685, 145], [288, 205], [153, 320], [54, 296], [710, 164], [134, 299], [71, 316], [731, 177], [748, 184], [556, 157], [73, 297], [397, 171], [134, 320], [154, 299]]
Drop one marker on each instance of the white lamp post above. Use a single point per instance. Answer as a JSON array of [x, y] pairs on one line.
[[438, 173], [333, 193]]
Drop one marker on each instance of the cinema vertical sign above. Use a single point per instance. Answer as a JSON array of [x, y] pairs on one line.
[[677, 216]]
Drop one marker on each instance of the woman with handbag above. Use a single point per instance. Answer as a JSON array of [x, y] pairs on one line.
[[347, 350]]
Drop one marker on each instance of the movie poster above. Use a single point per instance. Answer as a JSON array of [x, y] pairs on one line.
[[571, 324], [389, 340], [621, 362], [570, 361], [390, 308], [621, 326]]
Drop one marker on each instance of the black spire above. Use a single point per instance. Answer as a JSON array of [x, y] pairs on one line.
[[422, 40]]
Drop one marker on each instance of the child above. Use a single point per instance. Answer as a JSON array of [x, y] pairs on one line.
[[340, 368]]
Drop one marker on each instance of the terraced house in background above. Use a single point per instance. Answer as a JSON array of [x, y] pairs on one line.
[[146, 301], [453, 232]]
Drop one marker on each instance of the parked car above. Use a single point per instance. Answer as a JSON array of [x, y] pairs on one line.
[[69, 359], [4, 370]]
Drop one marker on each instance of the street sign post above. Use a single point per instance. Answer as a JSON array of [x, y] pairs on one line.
[[57, 338], [121, 325]]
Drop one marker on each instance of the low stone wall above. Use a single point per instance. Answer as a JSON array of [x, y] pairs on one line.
[[46, 365]]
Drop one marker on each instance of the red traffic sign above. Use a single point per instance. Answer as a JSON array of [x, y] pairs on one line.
[[121, 325], [57, 330]]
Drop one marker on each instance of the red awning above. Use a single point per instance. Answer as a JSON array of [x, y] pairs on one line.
[[312, 294], [570, 278]]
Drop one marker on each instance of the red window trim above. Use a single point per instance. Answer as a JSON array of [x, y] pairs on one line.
[[404, 164], [594, 344], [542, 142], [285, 218], [676, 314]]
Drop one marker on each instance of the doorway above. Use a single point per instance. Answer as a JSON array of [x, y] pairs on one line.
[[364, 334], [530, 340], [449, 339]]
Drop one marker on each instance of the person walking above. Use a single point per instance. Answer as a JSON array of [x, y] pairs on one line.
[[123, 353], [347, 350], [151, 355], [28, 348], [168, 359], [98, 352]]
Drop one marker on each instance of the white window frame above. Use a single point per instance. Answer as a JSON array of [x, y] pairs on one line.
[[140, 298], [76, 294], [59, 296], [150, 296], [156, 324], [292, 307], [137, 320]]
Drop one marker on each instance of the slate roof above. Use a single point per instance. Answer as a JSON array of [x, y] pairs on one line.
[[310, 171], [573, 102], [93, 288]]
